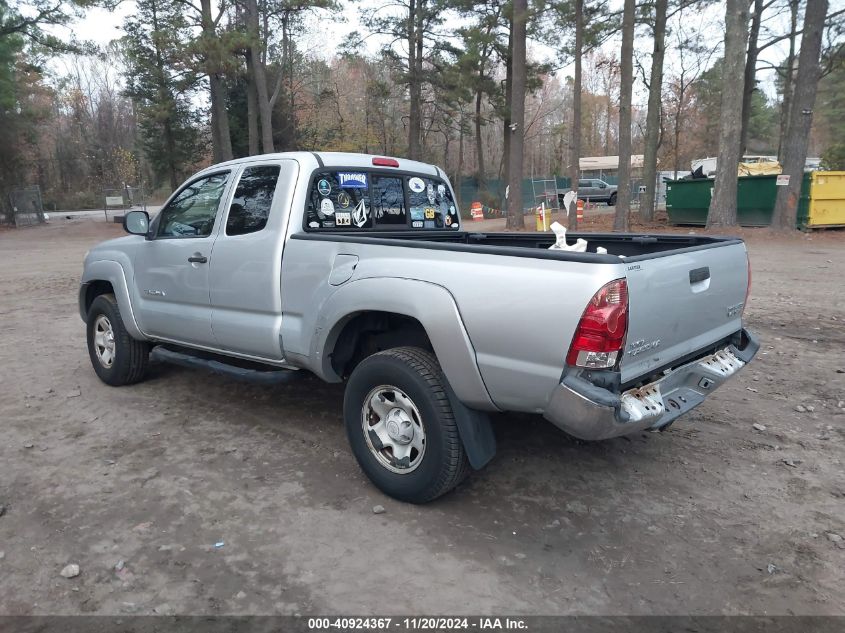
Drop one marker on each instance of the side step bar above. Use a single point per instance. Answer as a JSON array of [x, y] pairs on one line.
[[270, 376]]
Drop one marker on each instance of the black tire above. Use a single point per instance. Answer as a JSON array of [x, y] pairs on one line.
[[130, 356], [417, 373], [612, 200]]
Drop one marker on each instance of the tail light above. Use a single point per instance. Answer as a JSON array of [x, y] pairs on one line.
[[600, 334]]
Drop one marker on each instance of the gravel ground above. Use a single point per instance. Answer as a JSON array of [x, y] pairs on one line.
[[194, 494]]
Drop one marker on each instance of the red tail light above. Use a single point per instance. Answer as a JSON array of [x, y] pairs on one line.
[[380, 161], [600, 334]]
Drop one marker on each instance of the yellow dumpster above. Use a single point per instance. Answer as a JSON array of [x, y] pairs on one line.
[[825, 205]]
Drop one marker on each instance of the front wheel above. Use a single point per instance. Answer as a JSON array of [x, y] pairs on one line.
[[118, 359], [612, 201], [401, 427]]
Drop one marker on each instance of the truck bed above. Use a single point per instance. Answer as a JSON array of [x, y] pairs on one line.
[[634, 246], [686, 293]]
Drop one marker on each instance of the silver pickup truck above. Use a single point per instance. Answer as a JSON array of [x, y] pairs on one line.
[[359, 269]]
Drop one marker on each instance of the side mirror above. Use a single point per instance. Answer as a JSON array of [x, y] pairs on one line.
[[136, 222], [603, 185]]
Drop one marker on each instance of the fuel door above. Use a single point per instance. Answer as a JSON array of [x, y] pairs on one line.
[[342, 269]]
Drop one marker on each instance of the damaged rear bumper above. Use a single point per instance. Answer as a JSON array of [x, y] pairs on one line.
[[591, 412]]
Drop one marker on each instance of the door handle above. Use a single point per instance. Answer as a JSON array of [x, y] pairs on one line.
[[699, 274], [198, 259]]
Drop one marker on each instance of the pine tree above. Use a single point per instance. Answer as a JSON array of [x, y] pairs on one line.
[[161, 86]]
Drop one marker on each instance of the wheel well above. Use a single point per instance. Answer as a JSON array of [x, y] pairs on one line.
[[370, 332], [95, 289]]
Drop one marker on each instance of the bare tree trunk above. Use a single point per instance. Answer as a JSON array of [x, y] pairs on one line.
[[506, 119], [265, 115], [652, 124], [575, 133], [750, 77], [801, 115], [259, 77], [251, 109], [677, 142], [516, 217], [460, 169], [287, 69], [479, 142], [414, 79], [221, 139], [787, 80], [285, 89], [626, 83], [722, 210], [220, 117]]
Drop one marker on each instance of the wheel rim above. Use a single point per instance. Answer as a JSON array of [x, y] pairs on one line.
[[104, 341], [393, 429]]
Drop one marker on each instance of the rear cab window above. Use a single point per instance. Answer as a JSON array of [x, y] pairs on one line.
[[368, 200]]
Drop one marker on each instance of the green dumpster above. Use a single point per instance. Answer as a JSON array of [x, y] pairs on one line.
[[687, 201]]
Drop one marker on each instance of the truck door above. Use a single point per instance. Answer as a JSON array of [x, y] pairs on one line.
[[245, 271], [170, 287], [585, 189]]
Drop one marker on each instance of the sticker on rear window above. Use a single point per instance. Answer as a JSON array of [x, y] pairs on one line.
[[327, 207], [352, 180], [324, 187], [416, 185], [359, 215]]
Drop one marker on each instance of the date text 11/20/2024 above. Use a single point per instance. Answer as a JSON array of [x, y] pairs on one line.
[[416, 624]]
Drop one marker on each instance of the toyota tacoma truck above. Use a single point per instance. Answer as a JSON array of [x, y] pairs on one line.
[[359, 269]]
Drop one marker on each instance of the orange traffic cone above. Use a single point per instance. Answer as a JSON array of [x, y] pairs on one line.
[[580, 210]]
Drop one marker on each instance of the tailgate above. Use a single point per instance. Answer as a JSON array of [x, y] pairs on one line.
[[681, 303]]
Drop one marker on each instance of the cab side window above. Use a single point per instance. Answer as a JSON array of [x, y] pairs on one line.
[[252, 201], [340, 199], [192, 212]]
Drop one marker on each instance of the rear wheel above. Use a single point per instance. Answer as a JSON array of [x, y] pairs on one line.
[[401, 427], [118, 359]]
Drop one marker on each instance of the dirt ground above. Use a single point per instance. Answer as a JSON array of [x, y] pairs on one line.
[[710, 517]]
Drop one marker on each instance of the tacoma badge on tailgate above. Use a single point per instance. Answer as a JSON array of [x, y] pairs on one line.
[[640, 346]]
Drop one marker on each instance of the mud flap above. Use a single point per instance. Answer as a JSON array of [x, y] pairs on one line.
[[475, 429]]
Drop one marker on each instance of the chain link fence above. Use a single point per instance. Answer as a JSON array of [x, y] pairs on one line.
[[26, 206]]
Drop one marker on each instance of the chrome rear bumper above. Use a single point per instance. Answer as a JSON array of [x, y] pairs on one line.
[[590, 412]]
